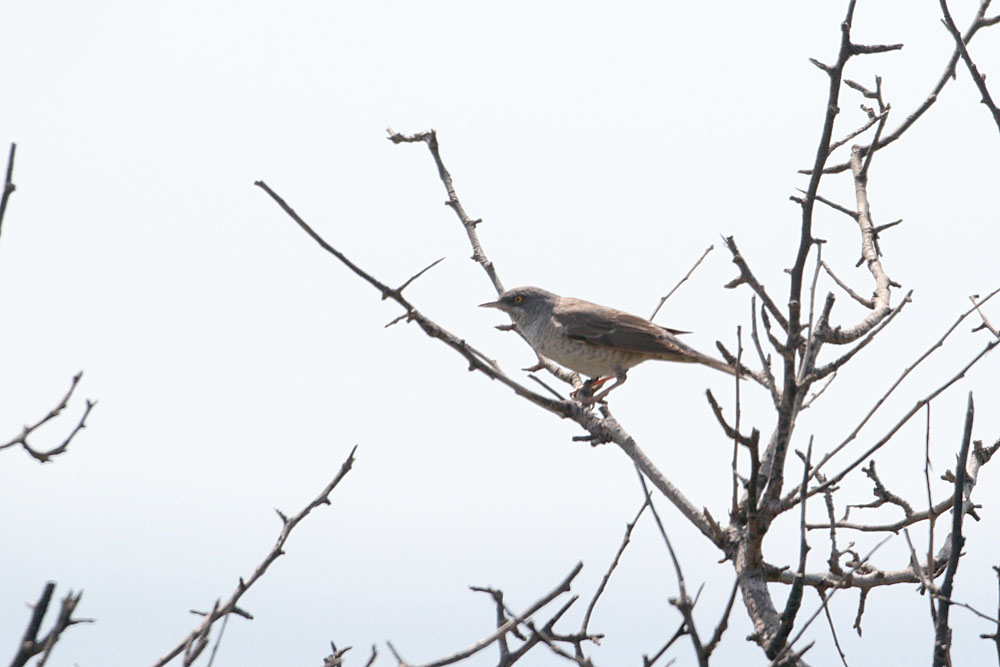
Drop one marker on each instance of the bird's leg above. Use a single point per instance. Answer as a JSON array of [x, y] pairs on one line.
[[597, 383], [620, 377], [585, 394]]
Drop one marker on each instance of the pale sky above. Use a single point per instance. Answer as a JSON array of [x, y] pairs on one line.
[[605, 146]]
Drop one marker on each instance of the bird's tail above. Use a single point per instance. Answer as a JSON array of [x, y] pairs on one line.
[[720, 365]]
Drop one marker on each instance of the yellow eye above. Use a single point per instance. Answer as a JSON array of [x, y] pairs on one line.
[[518, 299]]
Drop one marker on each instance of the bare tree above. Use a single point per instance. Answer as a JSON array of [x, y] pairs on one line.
[[799, 349]]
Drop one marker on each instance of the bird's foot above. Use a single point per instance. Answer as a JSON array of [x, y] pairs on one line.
[[620, 378], [586, 395]]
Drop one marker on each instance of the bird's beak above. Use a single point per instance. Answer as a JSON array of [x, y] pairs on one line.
[[490, 304]]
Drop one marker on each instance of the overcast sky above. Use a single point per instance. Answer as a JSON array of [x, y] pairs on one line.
[[605, 146]]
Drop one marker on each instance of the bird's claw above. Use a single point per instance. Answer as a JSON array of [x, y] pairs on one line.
[[586, 395]]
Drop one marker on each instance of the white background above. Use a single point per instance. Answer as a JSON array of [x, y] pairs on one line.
[[236, 364]]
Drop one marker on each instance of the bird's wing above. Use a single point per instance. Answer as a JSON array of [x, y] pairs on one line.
[[607, 327]]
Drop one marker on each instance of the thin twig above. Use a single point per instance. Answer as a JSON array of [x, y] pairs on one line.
[[683, 602], [888, 436], [687, 275], [867, 303], [46, 456], [788, 647], [8, 184], [417, 275], [230, 605], [430, 138], [614, 564], [874, 118], [986, 323], [878, 404], [747, 277], [561, 588], [978, 78], [977, 23], [723, 624], [833, 629]]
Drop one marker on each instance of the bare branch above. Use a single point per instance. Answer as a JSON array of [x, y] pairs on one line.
[[723, 622], [872, 119], [894, 527], [995, 636], [986, 617], [882, 494], [687, 275], [417, 275], [8, 184], [867, 303], [863, 49], [986, 323], [562, 587], [942, 639], [884, 109], [880, 300], [601, 429], [777, 642], [746, 277], [836, 584], [46, 456], [978, 22], [878, 404], [736, 426], [981, 456], [31, 644], [198, 637], [921, 403], [765, 360], [978, 78], [833, 629], [683, 603], [823, 200], [611, 569], [430, 138], [838, 363]]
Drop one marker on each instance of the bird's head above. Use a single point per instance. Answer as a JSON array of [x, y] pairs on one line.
[[522, 303]]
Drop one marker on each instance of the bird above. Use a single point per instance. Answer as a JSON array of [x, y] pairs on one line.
[[598, 342]]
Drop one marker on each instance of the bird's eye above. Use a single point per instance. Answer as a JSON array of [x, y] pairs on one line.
[[518, 299]]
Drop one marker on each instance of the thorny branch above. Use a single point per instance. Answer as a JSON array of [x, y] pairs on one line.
[[509, 626], [197, 640], [31, 644], [683, 603], [835, 583], [995, 636], [798, 344], [938, 344], [601, 428], [430, 138], [942, 639], [978, 22], [46, 456], [607, 575], [977, 77]]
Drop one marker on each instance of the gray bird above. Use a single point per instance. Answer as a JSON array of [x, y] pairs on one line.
[[593, 340]]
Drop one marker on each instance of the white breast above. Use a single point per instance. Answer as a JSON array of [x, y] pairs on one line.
[[589, 360]]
